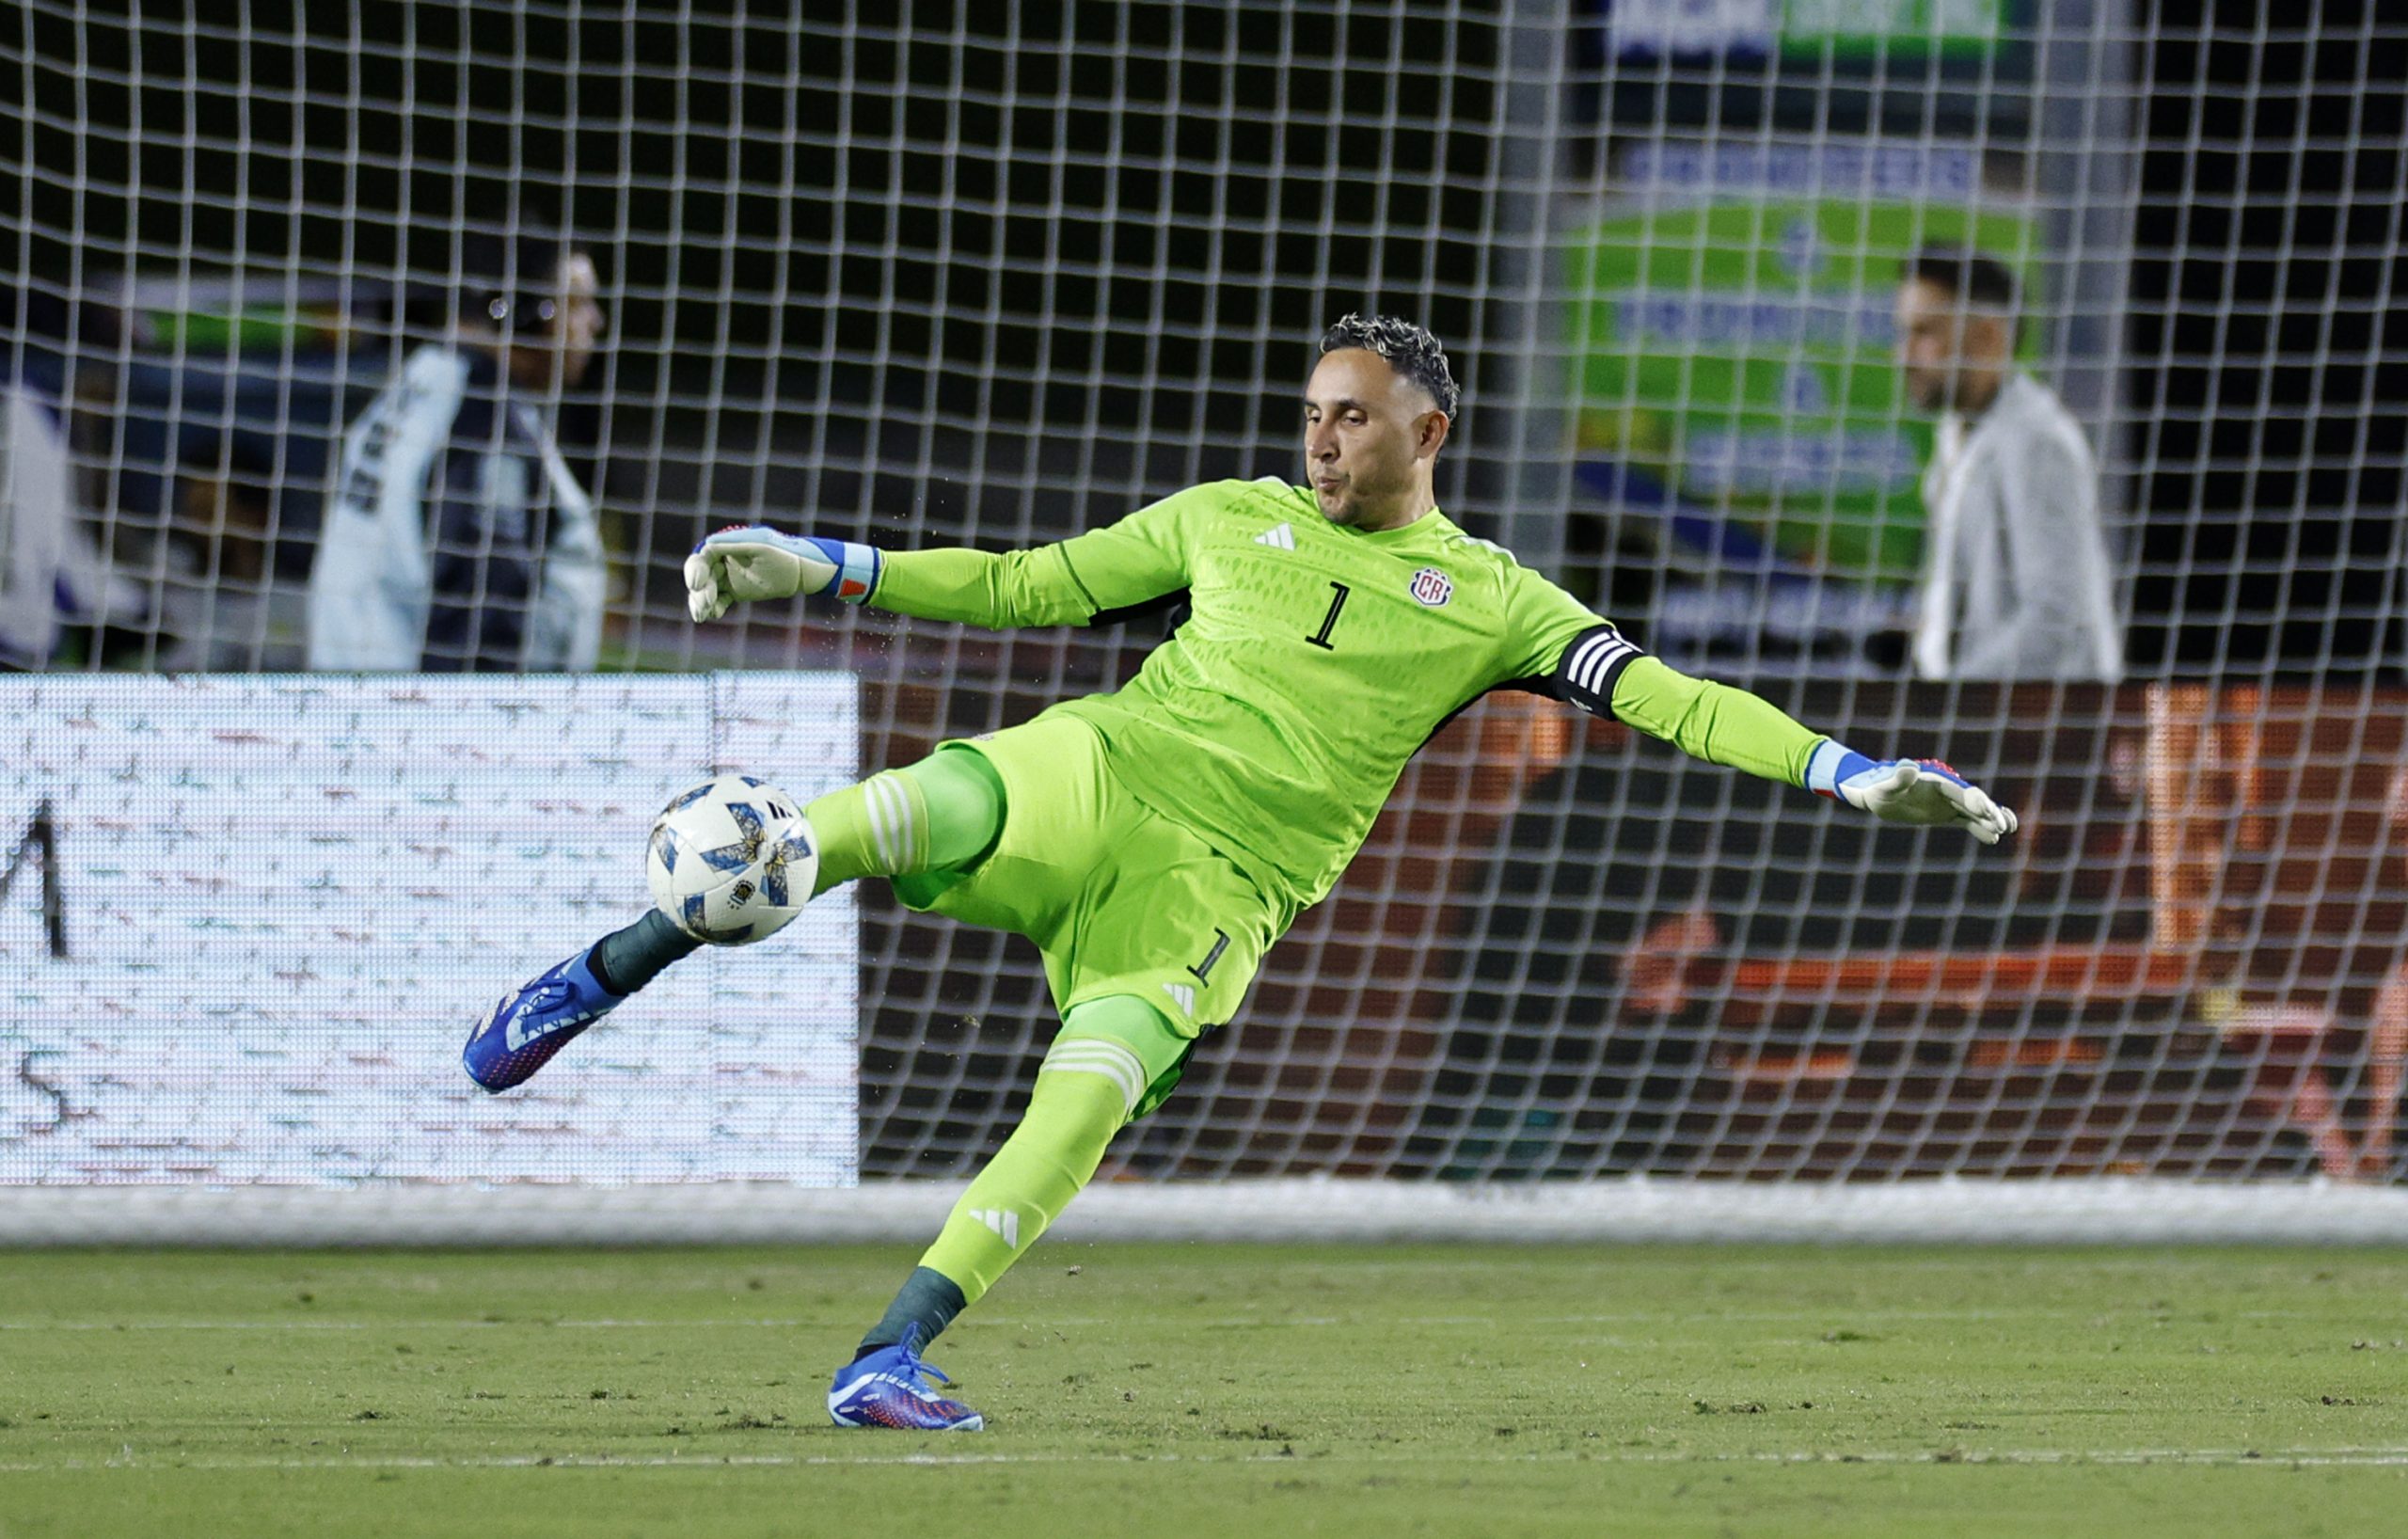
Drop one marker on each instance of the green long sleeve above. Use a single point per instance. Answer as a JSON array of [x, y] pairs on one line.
[[1139, 558], [982, 588], [1713, 721]]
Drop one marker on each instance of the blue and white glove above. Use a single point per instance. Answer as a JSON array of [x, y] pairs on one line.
[[1925, 792], [750, 561]]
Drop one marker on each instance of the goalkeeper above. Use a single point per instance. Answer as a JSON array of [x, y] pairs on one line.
[[1153, 842]]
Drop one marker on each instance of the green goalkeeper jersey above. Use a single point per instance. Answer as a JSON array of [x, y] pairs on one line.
[[1316, 660]]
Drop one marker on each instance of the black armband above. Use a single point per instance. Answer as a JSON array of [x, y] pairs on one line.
[[1591, 663]]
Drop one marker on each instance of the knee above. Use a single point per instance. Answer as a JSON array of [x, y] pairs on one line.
[[1124, 1039], [966, 805]]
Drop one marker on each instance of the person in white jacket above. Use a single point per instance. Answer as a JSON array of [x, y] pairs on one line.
[[2018, 584], [457, 540]]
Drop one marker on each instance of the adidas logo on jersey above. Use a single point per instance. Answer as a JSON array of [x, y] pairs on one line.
[[1003, 1221], [1183, 995], [1281, 537]]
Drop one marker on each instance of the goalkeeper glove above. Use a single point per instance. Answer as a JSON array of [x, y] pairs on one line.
[[1919, 791], [750, 561]]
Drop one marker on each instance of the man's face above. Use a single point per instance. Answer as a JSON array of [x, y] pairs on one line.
[[1948, 356], [563, 349], [581, 321], [1365, 425]]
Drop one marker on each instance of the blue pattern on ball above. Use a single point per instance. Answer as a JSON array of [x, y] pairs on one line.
[[746, 849]]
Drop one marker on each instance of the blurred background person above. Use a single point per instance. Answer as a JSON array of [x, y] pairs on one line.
[[457, 539], [52, 577], [2017, 580]]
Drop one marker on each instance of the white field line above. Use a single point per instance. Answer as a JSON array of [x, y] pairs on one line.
[[1852, 1316], [2235, 1458]]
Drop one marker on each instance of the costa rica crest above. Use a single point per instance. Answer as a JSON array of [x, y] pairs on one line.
[[1432, 587]]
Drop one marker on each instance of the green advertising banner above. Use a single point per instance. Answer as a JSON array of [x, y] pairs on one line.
[[1735, 340], [1810, 32], [1888, 28]]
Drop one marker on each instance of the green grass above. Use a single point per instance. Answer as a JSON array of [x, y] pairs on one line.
[[1171, 1390]]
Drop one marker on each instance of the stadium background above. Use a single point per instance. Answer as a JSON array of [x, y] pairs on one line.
[[993, 274]]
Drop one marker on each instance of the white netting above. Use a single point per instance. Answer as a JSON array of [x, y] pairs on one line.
[[930, 274]]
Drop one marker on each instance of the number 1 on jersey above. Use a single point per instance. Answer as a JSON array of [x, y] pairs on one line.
[[1329, 621]]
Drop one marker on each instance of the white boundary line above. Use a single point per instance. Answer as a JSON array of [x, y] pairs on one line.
[[2105, 1210], [1851, 1314], [2236, 1458]]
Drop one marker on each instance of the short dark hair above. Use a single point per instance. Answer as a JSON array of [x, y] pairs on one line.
[[1965, 273], [1408, 349]]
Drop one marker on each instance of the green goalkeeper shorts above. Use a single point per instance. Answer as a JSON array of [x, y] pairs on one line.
[[1119, 898]]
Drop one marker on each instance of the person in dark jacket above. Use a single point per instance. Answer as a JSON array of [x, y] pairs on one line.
[[457, 540]]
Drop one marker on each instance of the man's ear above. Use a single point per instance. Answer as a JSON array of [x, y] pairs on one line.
[[1429, 432]]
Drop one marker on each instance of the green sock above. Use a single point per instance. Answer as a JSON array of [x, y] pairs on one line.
[[1072, 1117], [938, 815], [1111, 1055], [1049, 1158]]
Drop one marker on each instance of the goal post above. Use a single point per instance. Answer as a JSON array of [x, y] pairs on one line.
[[942, 274]]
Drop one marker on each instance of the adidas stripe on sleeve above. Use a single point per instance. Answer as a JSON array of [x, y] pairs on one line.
[[1591, 663]]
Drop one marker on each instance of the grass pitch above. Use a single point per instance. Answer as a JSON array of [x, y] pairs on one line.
[[1204, 1389]]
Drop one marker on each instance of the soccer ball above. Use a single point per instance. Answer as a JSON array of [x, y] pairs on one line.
[[732, 860]]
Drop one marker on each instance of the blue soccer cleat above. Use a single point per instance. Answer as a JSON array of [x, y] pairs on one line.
[[534, 1020], [883, 1389]]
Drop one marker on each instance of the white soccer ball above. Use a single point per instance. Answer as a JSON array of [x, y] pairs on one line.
[[732, 860]]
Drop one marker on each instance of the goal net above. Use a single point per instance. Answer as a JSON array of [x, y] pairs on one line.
[[940, 274]]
